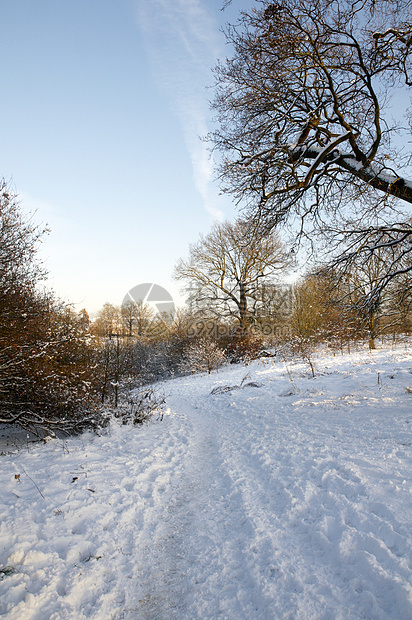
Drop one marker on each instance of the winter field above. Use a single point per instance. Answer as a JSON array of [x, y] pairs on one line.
[[289, 498]]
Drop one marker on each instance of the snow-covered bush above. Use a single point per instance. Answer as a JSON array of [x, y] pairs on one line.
[[50, 376], [140, 405], [47, 360], [202, 355]]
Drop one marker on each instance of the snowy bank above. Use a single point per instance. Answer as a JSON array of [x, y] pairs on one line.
[[282, 499]]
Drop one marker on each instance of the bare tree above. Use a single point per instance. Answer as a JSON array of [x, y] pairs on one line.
[[227, 267], [372, 280], [303, 109], [386, 245], [108, 321], [137, 317]]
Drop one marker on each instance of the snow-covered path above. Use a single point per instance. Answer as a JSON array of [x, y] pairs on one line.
[[282, 500]]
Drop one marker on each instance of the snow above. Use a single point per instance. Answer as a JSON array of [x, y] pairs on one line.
[[319, 153], [278, 499]]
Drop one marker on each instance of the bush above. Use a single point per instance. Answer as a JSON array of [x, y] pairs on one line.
[[47, 361], [202, 355], [51, 378], [140, 406], [244, 347]]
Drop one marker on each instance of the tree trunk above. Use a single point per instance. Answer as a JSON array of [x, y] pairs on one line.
[[372, 332], [243, 308]]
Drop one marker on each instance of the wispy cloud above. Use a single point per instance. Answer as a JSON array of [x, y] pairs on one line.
[[183, 42]]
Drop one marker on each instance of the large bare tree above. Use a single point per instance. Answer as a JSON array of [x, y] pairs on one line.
[[227, 267], [304, 111]]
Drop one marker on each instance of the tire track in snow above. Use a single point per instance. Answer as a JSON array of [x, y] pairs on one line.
[[202, 539], [321, 552], [249, 505], [268, 521]]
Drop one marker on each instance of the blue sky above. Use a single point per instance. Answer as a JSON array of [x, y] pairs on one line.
[[103, 103]]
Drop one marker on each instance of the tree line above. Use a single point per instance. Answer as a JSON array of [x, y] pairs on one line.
[[62, 371], [309, 142], [55, 374]]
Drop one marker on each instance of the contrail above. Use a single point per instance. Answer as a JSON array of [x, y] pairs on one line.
[[183, 41]]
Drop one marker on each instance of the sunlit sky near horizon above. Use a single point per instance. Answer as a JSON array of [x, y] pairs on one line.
[[102, 107]]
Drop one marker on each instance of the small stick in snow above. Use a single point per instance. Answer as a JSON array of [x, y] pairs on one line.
[[30, 478]]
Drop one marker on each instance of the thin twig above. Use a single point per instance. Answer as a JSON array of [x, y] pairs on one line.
[[32, 481]]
